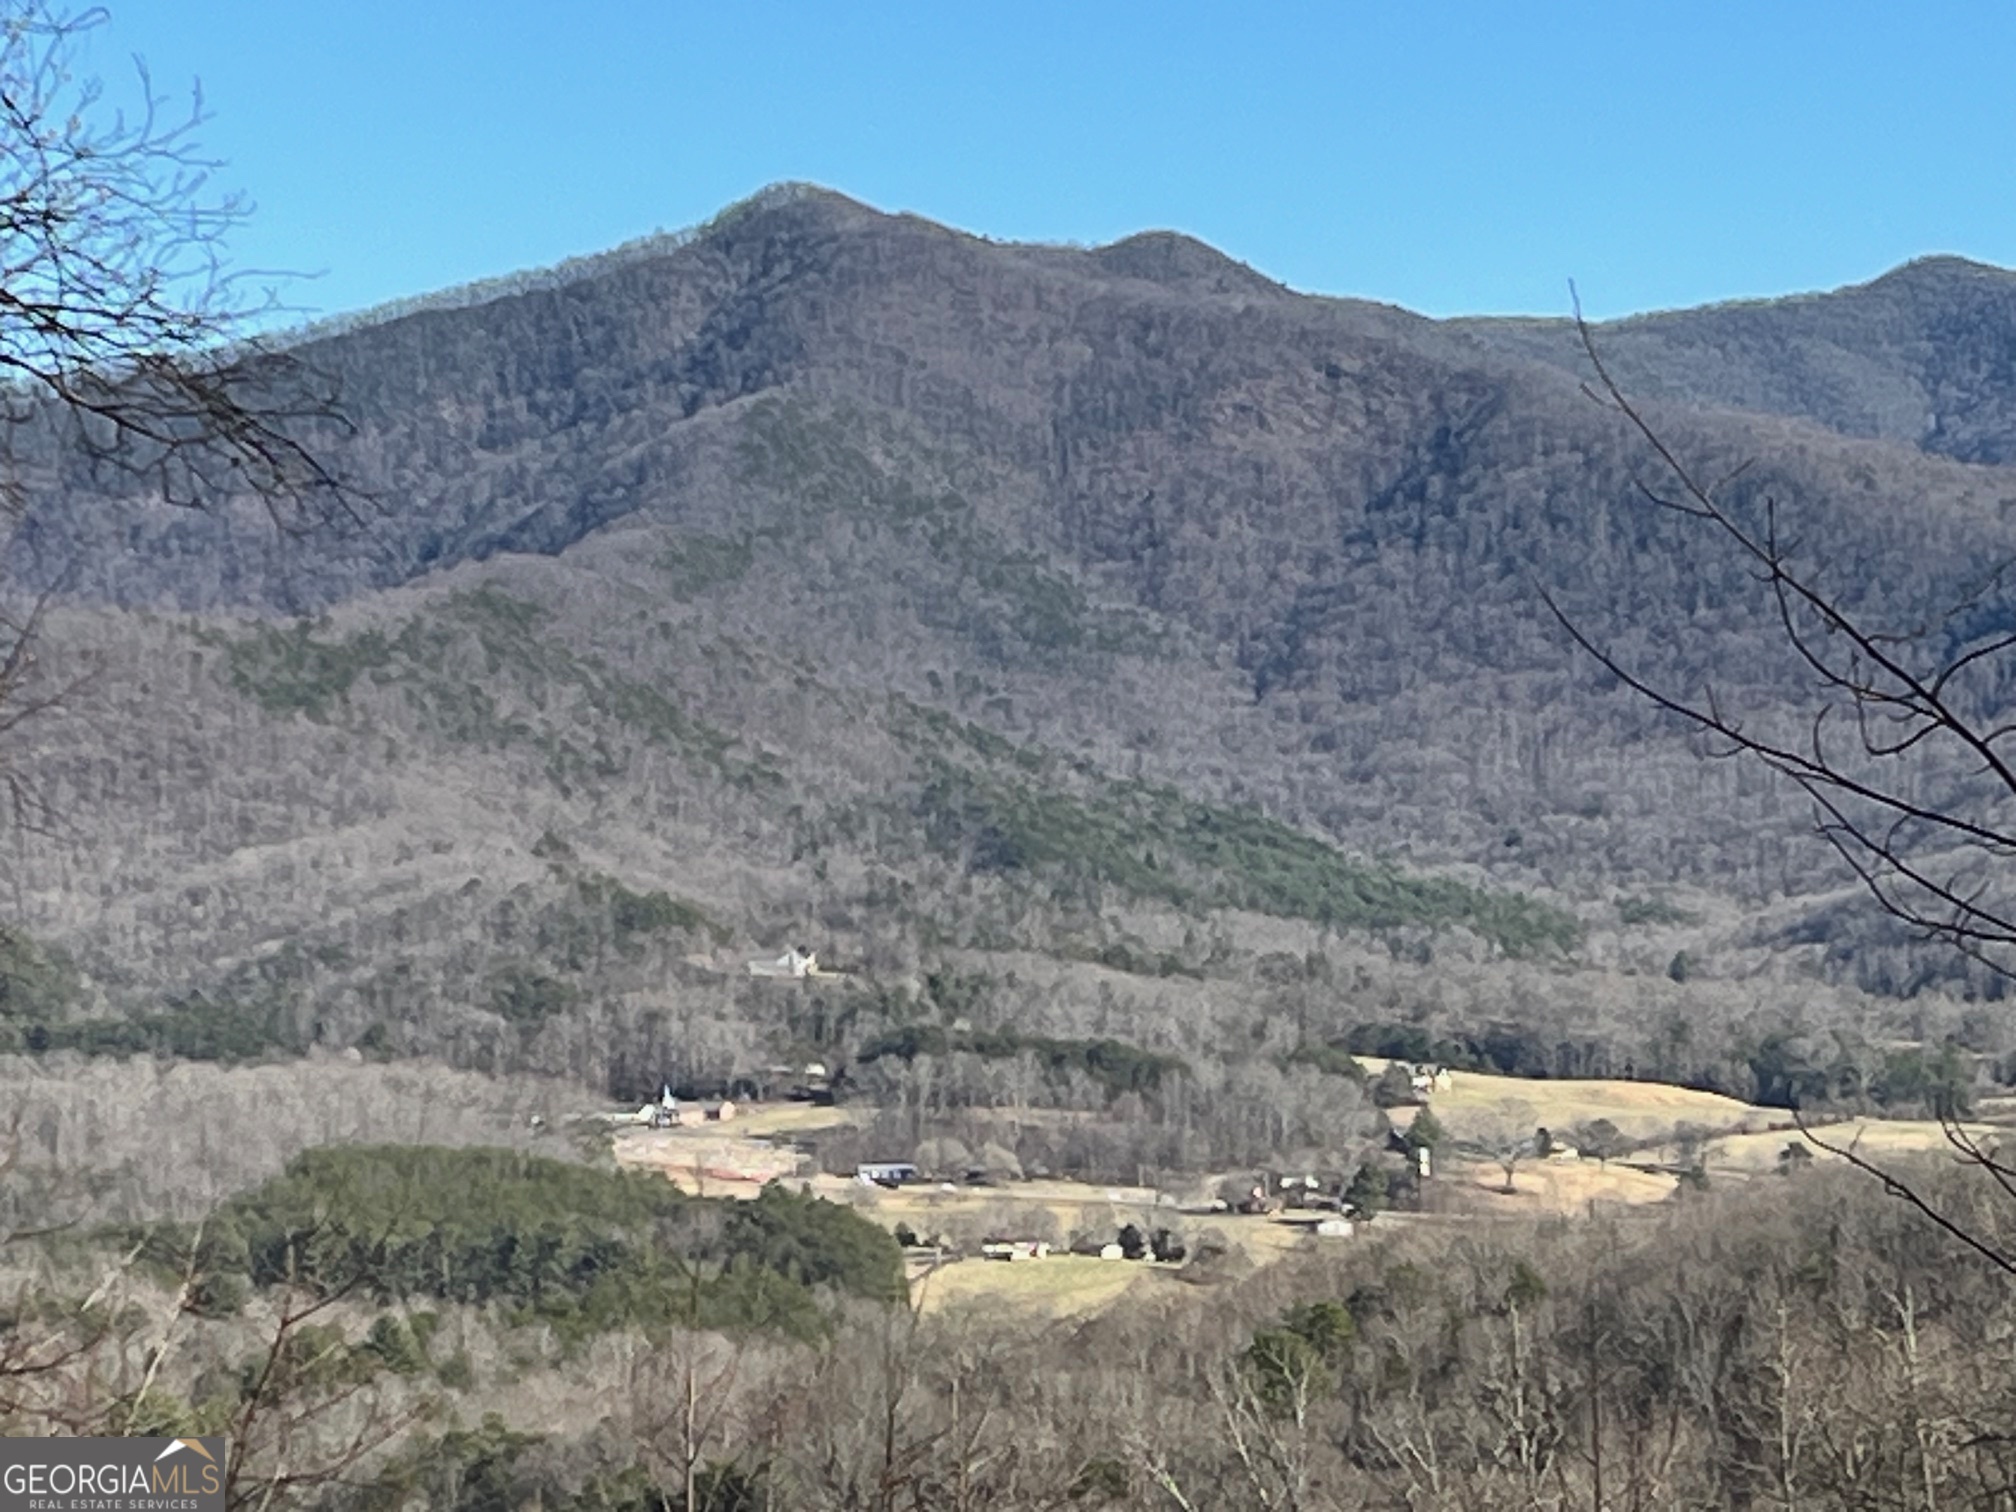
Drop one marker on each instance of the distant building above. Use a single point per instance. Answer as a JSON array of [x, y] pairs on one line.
[[800, 1083], [666, 1114], [1096, 1249], [1426, 1078], [1257, 1202], [1302, 1191], [885, 1173], [795, 964], [1016, 1249]]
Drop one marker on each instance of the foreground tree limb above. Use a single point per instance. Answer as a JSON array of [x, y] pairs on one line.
[[1898, 1186], [124, 330], [132, 355], [1899, 745]]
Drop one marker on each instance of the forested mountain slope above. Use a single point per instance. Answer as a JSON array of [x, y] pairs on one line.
[[1113, 612], [1924, 355]]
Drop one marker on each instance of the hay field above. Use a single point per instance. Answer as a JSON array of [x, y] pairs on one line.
[[1641, 1110], [705, 1161], [1059, 1286], [1876, 1139], [794, 1118], [723, 1158], [1565, 1187]]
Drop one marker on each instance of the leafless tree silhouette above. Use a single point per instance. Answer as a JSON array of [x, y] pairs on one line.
[[1900, 736], [121, 320], [131, 354], [1900, 743]]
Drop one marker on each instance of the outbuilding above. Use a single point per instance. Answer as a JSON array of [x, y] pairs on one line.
[[885, 1173]]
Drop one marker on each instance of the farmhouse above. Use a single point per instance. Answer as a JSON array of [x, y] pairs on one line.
[[1015, 1249]]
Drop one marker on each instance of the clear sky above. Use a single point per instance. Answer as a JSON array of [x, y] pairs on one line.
[[1455, 157]]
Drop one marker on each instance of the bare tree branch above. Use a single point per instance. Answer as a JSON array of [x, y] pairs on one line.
[[1917, 800], [132, 359], [1917, 797]]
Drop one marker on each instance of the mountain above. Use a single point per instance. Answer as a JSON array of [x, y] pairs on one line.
[[1090, 641], [1924, 356]]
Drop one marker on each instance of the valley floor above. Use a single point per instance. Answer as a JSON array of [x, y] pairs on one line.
[[1673, 1129]]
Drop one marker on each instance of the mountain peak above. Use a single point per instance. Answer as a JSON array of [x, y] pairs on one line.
[[794, 196], [1179, 261], [819, 205], [1939, 274], [1944, 265]]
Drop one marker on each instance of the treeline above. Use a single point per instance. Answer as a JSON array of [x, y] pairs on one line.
[[1800, 1340], [42, 998], [1220, 1116], [549, 965], [1114, 1066], [581, 1249], [1776, 1069], [306, 669], [534, 957], [37, 984], [1800, 1343], [538, 1000]]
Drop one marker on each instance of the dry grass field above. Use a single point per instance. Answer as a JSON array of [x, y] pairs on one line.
[[1730, 1139], [732, 1159], [714, 1164], [1478, 1187], [1059, 1286], [1056, 1211], [1671, 1125], [1641, 1110], [1875, 1139], [765, 1120]]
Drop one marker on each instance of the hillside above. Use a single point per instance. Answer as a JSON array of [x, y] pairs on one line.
[[1920, 356], [1090, 642]]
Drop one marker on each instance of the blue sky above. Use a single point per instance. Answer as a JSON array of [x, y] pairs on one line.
[[1453, 158]]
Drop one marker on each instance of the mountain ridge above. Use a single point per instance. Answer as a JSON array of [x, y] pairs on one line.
[[722, 265], [840, 576]]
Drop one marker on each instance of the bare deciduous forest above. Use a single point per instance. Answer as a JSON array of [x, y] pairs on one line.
[[1134, 680]]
